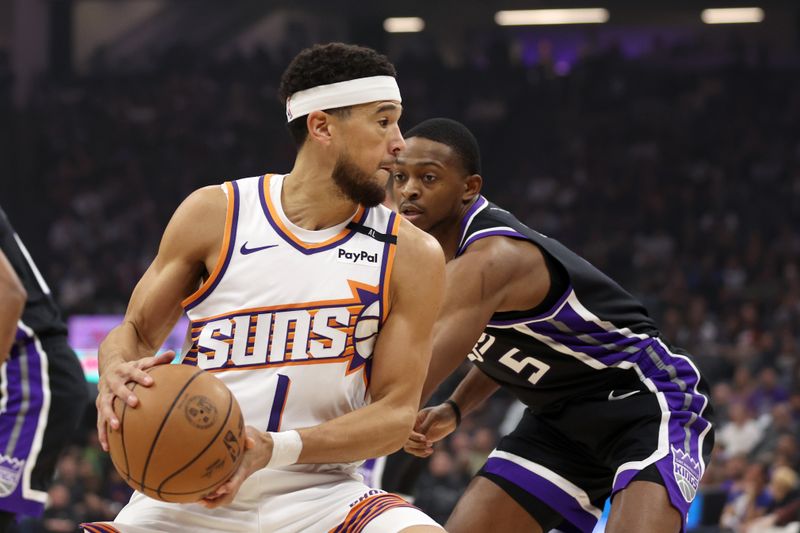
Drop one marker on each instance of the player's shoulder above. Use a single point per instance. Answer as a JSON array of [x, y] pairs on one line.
[[207, 204], [199, 221], [221, 194], [414, 243], [504, 255], [207, 197], [418, 267]]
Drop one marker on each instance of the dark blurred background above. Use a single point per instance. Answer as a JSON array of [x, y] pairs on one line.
[[663, 149]]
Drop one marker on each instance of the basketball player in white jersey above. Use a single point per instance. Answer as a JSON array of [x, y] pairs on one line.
[[310, 307]]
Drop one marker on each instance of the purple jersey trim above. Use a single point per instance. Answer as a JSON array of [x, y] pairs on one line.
[[544, 490], [384, 281], [228, 255], [479, 204], [20, 420], [526, 320], [289, 240]]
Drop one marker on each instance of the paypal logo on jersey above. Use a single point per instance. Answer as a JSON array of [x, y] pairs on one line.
[[360, 257]]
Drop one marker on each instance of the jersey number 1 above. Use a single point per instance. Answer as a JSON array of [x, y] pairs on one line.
[[278, 403]]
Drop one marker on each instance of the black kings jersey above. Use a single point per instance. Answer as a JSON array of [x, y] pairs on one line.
[[595, 337], [41, 314]]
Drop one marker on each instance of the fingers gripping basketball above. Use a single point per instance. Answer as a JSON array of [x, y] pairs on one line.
[[183, 440]]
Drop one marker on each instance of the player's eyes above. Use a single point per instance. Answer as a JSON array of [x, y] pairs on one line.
[[384, 122], [399, 176], [429, 177]]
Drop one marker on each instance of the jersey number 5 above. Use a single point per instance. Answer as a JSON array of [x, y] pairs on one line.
[[517, 365], [539, 368]]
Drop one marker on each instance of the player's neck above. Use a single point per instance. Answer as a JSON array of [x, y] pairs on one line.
[[310, 198], [448, 233]]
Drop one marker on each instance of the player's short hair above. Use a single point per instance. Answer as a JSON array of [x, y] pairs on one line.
[[453, 134], [323, 64]]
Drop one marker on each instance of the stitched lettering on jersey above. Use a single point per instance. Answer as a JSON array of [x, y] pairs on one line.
[[322, 332]]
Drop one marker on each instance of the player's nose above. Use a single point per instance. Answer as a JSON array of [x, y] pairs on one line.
[[409, 189], [396, 143]]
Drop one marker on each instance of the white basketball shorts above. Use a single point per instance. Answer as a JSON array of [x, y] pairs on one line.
[[276, 501]]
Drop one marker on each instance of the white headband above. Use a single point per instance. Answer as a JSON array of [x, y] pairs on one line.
[[342, 94]]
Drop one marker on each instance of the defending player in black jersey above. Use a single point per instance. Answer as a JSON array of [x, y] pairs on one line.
[[42, 389], [612, 408]]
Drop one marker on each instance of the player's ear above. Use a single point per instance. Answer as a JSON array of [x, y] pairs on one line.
[[472, 187], [319, 127]]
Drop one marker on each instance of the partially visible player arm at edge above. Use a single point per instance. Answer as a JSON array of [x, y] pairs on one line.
[[191, 241], [494, 274], [12, 303]]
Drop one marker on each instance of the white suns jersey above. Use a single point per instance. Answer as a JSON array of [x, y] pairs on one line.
[[289, 317]]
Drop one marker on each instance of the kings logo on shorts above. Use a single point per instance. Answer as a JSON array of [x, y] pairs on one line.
[[687, 473], [10, 473]]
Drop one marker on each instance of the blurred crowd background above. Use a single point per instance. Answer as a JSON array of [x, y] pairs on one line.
[[676, 170]]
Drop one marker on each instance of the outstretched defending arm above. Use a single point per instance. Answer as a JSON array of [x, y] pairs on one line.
[[494, 274]]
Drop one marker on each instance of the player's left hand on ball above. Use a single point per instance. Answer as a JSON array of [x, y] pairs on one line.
[[256, 456]]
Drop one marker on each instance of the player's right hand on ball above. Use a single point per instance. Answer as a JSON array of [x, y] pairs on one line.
[[432, 425], [114, 382], [257, 453]]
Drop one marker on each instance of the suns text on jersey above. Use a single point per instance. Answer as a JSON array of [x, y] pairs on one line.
[[284, 336]]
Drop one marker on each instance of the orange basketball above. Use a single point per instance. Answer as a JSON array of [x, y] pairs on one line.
[[184, 438]]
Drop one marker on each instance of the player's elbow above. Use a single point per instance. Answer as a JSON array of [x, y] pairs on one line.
[[20, 297], [14, 297]]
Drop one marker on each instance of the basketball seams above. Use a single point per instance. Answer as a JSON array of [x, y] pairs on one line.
[[211, 442], [122, 436], [163, 423]]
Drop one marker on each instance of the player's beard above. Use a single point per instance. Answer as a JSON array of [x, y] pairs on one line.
[[355, 184]]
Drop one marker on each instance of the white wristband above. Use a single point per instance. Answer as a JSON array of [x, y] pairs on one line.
[[286, 448]]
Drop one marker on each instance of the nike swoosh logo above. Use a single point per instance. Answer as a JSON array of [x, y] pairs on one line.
[[611, 396], [245, 250]]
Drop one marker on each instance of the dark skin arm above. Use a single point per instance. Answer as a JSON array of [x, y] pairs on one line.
[[12, 302], [435, 423], [494, 274]]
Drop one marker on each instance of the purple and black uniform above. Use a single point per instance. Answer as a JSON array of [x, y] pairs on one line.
[[608, 401], [43, 392]]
